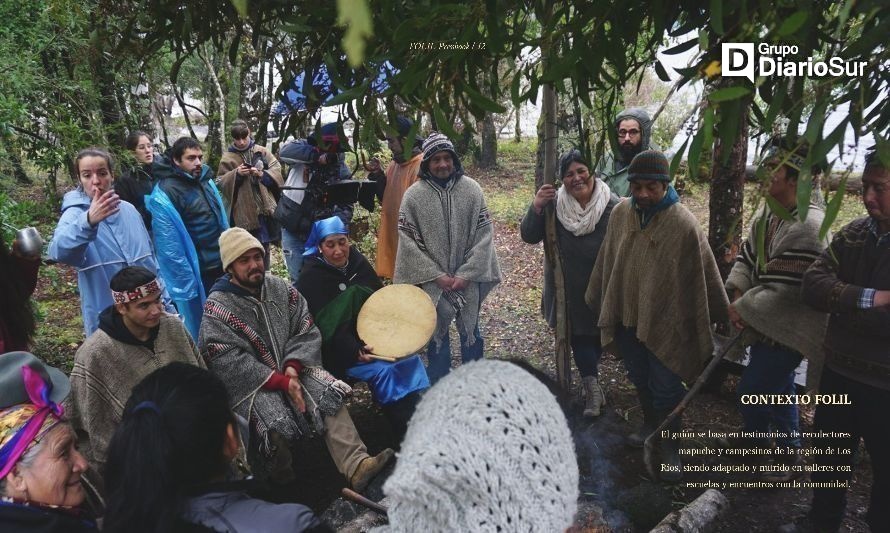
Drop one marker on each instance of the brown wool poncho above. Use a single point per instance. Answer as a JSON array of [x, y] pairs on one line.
[[663, 281]]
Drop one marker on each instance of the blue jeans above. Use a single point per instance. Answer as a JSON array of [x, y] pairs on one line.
[[440, 360], [771, 371], [647, 372], [292, 247], [586, 350]]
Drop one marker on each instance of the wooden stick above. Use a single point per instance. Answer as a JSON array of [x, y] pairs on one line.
[[350, 494], [649, 443], [382, 357]]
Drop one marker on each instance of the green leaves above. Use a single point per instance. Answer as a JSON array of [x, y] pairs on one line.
[[729, 93], [792, 24], [833, 207], [355, 16]]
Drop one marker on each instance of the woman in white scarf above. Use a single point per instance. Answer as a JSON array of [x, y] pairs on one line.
[[583, 205]]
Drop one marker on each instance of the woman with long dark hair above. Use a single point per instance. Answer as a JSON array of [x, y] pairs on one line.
[[18, 279], [168, 460]]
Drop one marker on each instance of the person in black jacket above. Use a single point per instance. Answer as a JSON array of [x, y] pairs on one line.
[[189, 184], [335, 276], [137, 181]]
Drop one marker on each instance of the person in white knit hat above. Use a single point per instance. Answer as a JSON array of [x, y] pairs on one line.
[[505, 463]]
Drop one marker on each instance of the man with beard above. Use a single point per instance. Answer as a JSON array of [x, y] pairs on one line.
[[634, 130], [657, 290], [187, 218], [257, 335], [400, 174], [446, 247]]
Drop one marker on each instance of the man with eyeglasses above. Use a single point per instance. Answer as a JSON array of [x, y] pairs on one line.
[[634, 129]]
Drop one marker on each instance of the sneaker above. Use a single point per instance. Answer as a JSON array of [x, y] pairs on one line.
[[368, 468]]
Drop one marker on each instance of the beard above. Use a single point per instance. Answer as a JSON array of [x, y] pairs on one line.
[[629, 150], [251, 281]]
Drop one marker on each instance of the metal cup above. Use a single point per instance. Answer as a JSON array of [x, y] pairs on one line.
[[30, 244]]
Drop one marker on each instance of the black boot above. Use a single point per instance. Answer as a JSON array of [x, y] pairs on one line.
[[650, 421], [672, 471]]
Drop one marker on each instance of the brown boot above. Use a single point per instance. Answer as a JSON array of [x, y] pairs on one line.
[[368, 468]]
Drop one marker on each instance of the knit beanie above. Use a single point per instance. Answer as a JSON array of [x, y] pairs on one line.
[[434, 143], [235, 241], [488, 449], [649, 165]]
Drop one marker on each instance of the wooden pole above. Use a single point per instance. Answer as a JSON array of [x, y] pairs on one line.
[[551, 244]]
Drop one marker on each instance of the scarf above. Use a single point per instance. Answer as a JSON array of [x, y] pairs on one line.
[[582, 220], [646, 215], [24, 424]]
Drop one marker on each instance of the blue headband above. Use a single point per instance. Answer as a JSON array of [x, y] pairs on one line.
[[322, 229]]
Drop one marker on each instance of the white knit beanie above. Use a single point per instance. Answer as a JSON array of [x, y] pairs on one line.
[[488, 449]]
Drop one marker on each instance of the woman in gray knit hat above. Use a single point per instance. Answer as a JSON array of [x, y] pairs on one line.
[[583, 206]]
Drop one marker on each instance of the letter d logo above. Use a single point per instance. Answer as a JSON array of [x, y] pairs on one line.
[[737, 59]]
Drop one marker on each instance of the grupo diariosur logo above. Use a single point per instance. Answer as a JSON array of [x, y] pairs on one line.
[[738, 60]]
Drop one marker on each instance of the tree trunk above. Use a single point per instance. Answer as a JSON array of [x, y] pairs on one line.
[[252, 83], [185, 113], [727, 196], [517, 125], [539, 154], [551, 245], [489, 149]]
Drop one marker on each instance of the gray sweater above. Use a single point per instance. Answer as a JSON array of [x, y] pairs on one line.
[[579, 256], [236, 512]]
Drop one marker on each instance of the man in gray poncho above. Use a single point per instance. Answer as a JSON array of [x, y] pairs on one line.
[[633, 128], [257, 335], [446, 247]]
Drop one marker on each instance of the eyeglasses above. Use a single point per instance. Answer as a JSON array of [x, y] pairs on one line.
[[626, 133]]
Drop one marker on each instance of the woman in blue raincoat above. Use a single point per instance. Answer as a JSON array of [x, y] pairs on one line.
[[99, 234], [336, 279]]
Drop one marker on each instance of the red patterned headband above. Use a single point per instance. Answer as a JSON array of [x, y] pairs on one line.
[[122, 297]]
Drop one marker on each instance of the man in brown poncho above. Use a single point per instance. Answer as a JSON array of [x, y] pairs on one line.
[[657, 290], [391, 186], [247, 176]]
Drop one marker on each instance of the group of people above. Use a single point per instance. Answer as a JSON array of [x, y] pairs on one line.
[[196, 350], [641, 281]]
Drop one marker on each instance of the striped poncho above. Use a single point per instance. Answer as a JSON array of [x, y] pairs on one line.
[[448, 231], [771, 301]]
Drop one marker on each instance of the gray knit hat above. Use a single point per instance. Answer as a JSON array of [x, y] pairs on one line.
[[649, 165], [488, 449], [436, 142]]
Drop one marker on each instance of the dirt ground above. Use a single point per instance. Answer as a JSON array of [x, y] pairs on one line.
[[616, 493]]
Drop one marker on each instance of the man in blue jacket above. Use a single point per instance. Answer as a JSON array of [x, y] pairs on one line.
[[189, 184]]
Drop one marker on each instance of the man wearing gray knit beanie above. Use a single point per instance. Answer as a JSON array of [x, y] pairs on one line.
[[657, 291], [446, 247]]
